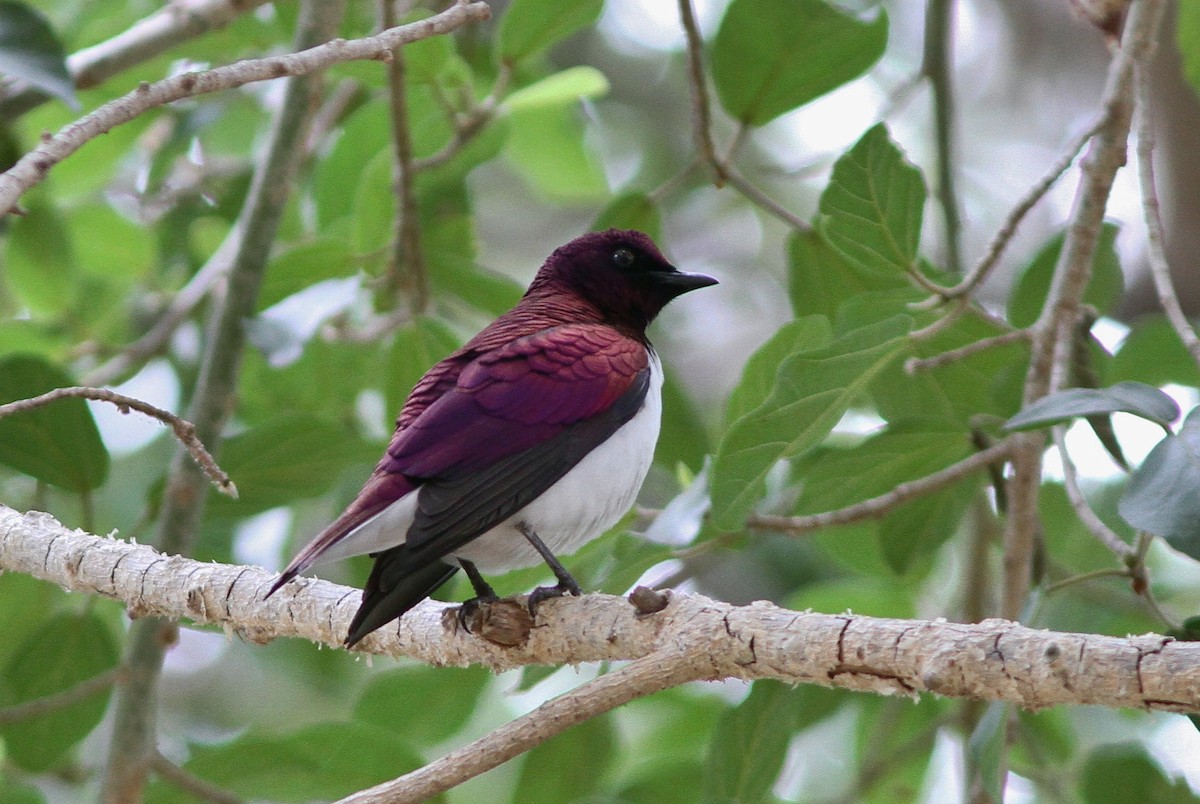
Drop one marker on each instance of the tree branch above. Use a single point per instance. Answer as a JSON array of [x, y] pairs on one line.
[[1053, 333], [406, 266], [692, 638], [184, 430], [176, 22], [32, 168], [992, 660]]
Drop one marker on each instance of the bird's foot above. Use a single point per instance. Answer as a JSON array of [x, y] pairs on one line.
[[563, 587], [471, 609]]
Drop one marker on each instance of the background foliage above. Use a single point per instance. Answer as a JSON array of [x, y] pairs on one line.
[[787, 391]]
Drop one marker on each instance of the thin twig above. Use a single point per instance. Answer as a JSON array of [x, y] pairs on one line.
[[184, 430], [701, 114], [915, 364], [406, 265], [878, 506], [936, 66], [61, 700], [33, 167], [996, 247], [468, 125], [743, 185], [190, 783], [1160, 270], [723, 170], [1112, 572], [1094, 524]]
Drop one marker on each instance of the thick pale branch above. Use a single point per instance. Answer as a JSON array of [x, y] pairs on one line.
[[32, 168], [992, 660]]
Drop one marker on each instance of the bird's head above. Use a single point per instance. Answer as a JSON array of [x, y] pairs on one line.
[[620, 272]]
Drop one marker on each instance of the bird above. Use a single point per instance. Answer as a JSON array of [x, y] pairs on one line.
[[530, 440]]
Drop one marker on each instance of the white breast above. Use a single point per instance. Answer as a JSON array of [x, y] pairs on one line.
[[586, 502]]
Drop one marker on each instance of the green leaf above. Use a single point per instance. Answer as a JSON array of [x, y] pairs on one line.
[[416, 347], [324, 761], [448, 239], [665, 780], [771, 56], [988, 382], [820, 279], [56, 443], [68, 649], [345, 369], [32, 338], [530, 26], [446, 696], [568, 86], [26, 605], [546, 145], [905, 451], [336, 177], [881, 596], [40, 266], [293, 457], [812, 389], [30, 50], [303, 265], [375, 205], [1125, 772], [1187, 33], [986, 748], [1163, 495], [871, 210], [1103, 291], [758, 375], [1128, 397], [1152, 353], [117, 250], [914, 531], [683, 437], [749, 745], [631, 211], [568, 767]]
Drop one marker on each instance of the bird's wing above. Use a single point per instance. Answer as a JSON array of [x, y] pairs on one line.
[[519, 419]]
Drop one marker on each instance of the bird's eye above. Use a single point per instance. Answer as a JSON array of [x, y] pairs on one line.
[[623, 258]]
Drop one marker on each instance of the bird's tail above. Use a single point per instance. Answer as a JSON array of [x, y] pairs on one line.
[[397, 583]]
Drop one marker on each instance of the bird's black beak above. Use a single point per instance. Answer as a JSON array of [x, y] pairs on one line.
[[681, 283]]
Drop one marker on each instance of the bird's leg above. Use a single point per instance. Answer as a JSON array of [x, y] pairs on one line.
[[484, 593], [566, 583]]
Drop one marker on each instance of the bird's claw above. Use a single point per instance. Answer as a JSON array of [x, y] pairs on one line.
[[542, 593], [470, 608]]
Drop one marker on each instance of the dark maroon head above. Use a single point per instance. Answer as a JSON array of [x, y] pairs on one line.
[[621, 272]]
